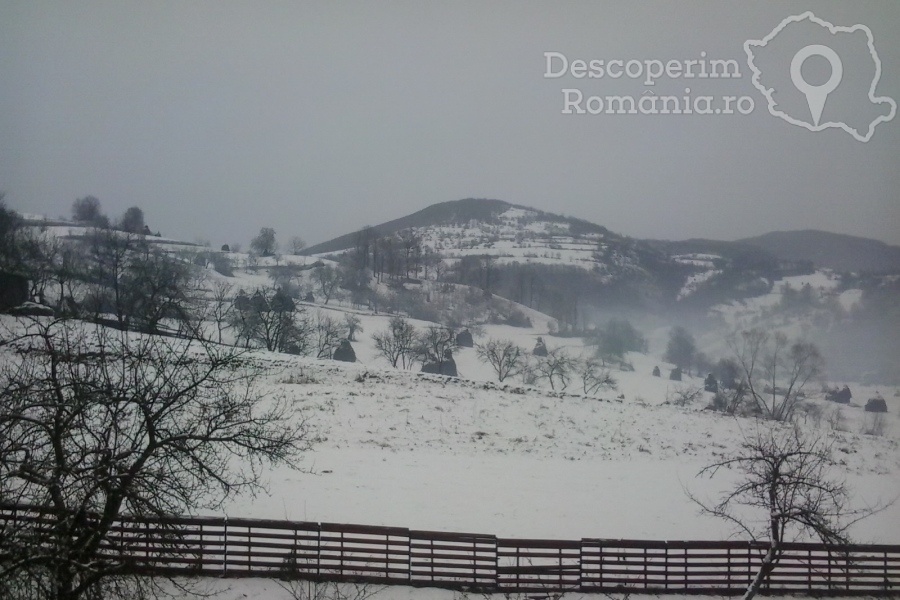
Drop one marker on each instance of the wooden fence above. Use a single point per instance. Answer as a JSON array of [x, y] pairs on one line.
[[216, 546]]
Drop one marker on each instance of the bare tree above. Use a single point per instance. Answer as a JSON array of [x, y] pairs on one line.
[[398, 343], [96, 423], [327, 332], [775, 370], [505, 357], [296, 245], [786, 484], [270, 319], [353, 324], [436, 343], [327, 279], [158, 286], [220, 306], [107, 256], [138, 284]]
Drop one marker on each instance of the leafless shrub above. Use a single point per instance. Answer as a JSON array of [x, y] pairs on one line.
[[836, 419], [683, 395], [555, 368], [594, 377], [730, 401], [329, 590], [812, 413], [874, 424]]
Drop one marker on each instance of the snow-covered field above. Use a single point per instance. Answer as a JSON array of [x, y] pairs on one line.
[[400, 448], [423, 451]]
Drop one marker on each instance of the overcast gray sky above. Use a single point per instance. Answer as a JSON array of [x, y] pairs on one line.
[[316, 118]]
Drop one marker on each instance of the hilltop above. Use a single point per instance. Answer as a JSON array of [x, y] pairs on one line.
[[826, 250]]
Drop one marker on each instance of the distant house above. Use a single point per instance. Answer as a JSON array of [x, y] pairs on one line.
[[13, 290]]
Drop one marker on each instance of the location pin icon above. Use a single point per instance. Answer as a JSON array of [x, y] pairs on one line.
[[816, 95]]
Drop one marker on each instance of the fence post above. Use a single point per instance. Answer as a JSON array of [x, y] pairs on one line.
[[847, 568], [474, 562], [749, 563], [728, 567], [646, 582], [561, 585], [829, 569], [318, 551], [666, 566], [809, 570], [225, 547], [600, 565], [408, 556]]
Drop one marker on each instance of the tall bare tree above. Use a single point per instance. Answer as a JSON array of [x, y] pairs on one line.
[[96, 423], [787, 485], [327, 279], [398, 343], [270, 319], [775, 370]]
